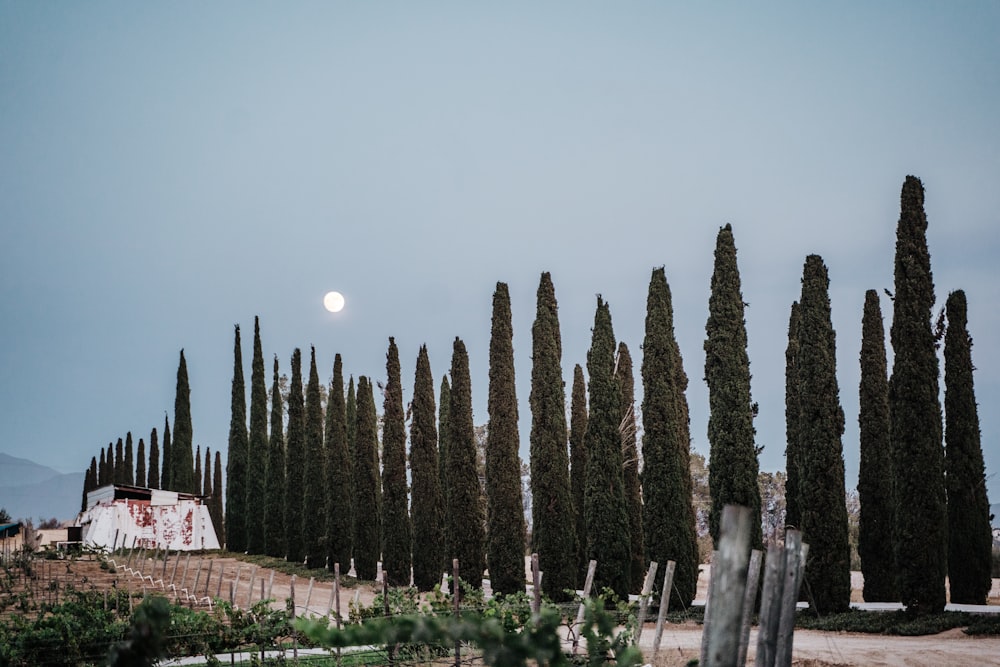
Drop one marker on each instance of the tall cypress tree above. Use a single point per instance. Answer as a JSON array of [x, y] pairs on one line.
[[197, 468], [793, 512], [236, 459], [821, 452], [153, 475], [165, 482], [970, 538], [351, 410], [505, 509], [920, 538], [578, 468], [464, 525], [733, 465], [875, 473], [367, 495], [102, 471], [140, 464], [215, 507], [313, 520], [295, 462], [206, 486], [397, 533], [257, 449], [553, 536], [427, 503], [630, 466], [668, 512], [338, 472], [608, 538], [119, 462], [89, 482], [444, 406], [182, 447], [274, 487], [128, 466]]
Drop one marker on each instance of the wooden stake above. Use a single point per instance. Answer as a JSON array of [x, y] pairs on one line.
[[730, 577], [668, 583], [647, 588], [749, 602], [587, 584], [770, 606]]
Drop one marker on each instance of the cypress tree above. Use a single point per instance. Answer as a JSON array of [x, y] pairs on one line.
[[505, 510], [257, 449], [668, 513], [89, 482], [197, 468], [274, 488], [397, 535], [443, 435], [102, 471], [733, 465], [578, 468], [553, 536], [128, 466], [920, 537], [351, 410], [313, 520], [119, 462], [608, 538], [630, 466], [821, 452], [875, 473], [140, 464], [112, 477], [153, 476], [338, 471], [366, 485], [427, 503], [182, 447], [165, 482], [464, 524], [295, 462], [970, 538], [793, 513], [236, 459], [206, 487], [215, 507]]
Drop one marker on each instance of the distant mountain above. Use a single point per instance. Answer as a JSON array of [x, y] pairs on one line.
[[29, 490]]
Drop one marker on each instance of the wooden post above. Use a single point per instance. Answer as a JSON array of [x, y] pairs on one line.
[[208, 577], [536, 584], [187, 562], [794, 560], [173, 572], [668, 583], [163, 572], [222, 575], [309, 594], [235, 585], [253, 575], [291, 594], [730, 579], [749, 602], [707, 615], [647, 588], [197, 578], [587, 584], [455, 598], [270, 585], [770, 606], [114, 545]]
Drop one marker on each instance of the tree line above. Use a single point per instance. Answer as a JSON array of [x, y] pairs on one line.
[[322, 489]]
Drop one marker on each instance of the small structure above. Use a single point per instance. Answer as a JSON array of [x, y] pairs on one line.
[[119, 515]]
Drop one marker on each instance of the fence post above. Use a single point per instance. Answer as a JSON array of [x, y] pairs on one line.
[[668, 583], [587, 584], [309, 593], [729, 586], [208, 577], [647, 588], [770, 606], [536, 592], [749, 602], [706, 621], [222, 575], [795, 556]]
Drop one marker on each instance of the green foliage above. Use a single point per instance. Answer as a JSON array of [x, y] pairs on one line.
[[215, 504], [733, 465], [367, 493], [668, 512], [921, 515], [427, 504], [793, 513], [970, 538], [168, 460], [338, 470], [821, 452], [630, 467], [140, 464], [128, 465], [505, 510], [255, 506], [236, 461], [182, 448], [295, 463], [553, 536], [878, 563], [444, 405], [314, 500], [464, 524], [274, 484], [578, 468], [898, 622], [153, 472], [397, 532], [119, 466]]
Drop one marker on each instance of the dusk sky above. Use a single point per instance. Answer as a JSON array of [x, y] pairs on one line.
[[169, 170]]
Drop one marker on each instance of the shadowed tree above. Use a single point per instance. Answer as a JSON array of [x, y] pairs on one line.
[[206, 486], [733, 465], [553, 536], [197, 467], [578, 467], [505, 510], [793, 513], [119, 467], [368, 500], [313, 521], [257, 449], [630, 466], [295, 462], [215, 507], [338, 472], [970, 538], [668, 513], [89, 482], [168, 461], [140, 464], [351, 410], [427, 503], [464, 524], [102, 471], [236, 459], [153, 474], [878, 565], [128, 467], [608, 539], [443, 434], [182, 447], [274, 485], [821, 452], [920, 537], [397, 536]]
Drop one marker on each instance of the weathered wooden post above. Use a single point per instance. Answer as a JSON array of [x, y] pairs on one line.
[[706, 619], [668, 583], [222, 575], [208, 577], [647, 588], [309, 593], [587, 584], [729, 580], [770, 606], [795, 558], [536, 594], [749, 602]]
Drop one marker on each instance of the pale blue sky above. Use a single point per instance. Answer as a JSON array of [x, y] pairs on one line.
[[170, 170]]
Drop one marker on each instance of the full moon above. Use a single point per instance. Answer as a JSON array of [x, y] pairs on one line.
[[334, 302]]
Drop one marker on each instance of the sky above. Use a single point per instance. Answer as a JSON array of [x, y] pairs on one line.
[[170, 170]]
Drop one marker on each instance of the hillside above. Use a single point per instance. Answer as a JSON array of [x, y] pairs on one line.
[[29, 490]]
